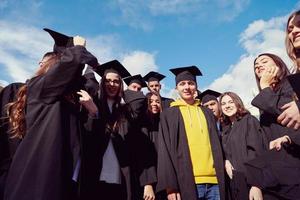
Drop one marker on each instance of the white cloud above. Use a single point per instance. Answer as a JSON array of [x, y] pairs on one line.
[[22, 46], [3, 83], [139, 62], [230, 9], [259, 37]]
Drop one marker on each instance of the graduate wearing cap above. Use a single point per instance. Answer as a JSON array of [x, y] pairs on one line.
[[153, 79], [135, 83], [45, 117], [106, 165], [209, 99], [190, 158]]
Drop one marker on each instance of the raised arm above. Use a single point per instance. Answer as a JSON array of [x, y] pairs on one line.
[[69, 68]]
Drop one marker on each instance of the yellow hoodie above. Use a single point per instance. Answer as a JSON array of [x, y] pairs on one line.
[[198, 141]]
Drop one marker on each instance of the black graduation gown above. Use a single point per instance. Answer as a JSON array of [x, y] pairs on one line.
[[269, 103], [165, 102], [144, 153], [242, 141], [91, 84], [174, 162], [43, 164], [275, 166], [8, 145], [96, 141]]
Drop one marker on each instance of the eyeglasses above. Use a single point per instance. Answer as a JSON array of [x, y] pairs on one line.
[[113, 82]]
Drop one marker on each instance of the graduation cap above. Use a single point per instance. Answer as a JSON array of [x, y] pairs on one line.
[[135, 79], [112, 66], [153, 76], [209, 95], [61, 41], [186, 73]]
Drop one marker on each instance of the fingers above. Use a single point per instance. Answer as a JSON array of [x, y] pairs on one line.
[[77, 40], [285, 120], [272, 145], [275, 72], [297, 125], [287, 105], [291, 123], [278, 146], [281, 117]]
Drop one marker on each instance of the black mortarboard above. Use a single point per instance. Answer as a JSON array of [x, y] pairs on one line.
[[186, 73], [153, 76], [61, 41], [112, 66], [135, 79], [209, 95]]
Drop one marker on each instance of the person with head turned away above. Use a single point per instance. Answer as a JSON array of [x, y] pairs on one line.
[[45, 117], [135, 83]]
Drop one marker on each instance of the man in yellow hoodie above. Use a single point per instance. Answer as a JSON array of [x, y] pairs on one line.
[[190, 161]]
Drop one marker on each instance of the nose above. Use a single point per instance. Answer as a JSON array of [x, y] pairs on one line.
[[259, 67], [295, 30]]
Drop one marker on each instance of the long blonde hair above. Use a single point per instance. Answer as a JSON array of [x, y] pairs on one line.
[[290, 49], [16, 109]]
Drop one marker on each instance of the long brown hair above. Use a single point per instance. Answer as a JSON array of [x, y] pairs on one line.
[[113, 126], [290, 49], [282, 73], [149, 95], [16, 109], [241, 110]]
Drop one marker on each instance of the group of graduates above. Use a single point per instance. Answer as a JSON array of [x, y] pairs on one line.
[[65, 136]]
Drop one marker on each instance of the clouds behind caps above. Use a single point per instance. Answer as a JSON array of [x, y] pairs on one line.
[[22, 47], [259, 37]]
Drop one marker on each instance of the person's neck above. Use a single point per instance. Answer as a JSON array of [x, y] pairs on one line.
[[232, 119], [111, 99], [189, 101]]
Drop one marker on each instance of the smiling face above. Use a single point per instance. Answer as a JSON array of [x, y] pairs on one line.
[[263, 63], [293, 31], [186, 90], [112, 84], [228, 106], [154, 105]]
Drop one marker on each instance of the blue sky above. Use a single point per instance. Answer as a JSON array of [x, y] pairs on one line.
[[221, 37]]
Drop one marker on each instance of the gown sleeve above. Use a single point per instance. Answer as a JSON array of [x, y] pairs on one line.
[[271, 101], [58, 78]]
